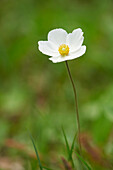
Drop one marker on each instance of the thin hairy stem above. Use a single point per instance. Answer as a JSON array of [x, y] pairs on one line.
[[76, 104]]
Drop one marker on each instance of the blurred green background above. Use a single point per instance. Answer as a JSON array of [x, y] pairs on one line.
[[36, 95]]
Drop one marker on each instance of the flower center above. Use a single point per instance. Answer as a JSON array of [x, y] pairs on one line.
[[64, 49]]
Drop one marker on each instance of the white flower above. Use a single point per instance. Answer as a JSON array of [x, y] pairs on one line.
[[63, 46]]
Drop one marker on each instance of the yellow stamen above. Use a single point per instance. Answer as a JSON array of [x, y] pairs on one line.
[[64, 49]]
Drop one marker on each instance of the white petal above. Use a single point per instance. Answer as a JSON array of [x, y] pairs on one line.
[[71, 56], [75, 39], [78, 53], [57, 36], [59, 59], [48, 48], [55, 59]]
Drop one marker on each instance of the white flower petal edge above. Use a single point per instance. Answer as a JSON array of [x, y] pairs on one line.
[[48, 48], [71, 56], [75, 39], [57, 36]]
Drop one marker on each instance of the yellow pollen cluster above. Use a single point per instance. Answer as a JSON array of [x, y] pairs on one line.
[[63, 49]]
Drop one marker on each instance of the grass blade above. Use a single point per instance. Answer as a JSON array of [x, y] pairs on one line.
[[88, 167], [70, 151], [72, 146], [66, 141], [39, 162]]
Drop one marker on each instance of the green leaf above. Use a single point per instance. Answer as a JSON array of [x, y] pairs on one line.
[[83, 161], [40, 165]]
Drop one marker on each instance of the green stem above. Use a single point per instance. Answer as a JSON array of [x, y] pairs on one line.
[[76, 104]]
